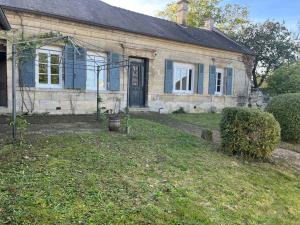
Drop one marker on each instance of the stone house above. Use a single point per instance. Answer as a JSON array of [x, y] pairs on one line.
[[168, 65]]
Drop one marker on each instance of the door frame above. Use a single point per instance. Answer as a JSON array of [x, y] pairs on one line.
[[145, 63]]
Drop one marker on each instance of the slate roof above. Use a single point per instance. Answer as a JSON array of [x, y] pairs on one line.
[[98, 13]]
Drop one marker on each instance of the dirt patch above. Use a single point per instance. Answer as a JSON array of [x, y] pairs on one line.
[[54, 125]]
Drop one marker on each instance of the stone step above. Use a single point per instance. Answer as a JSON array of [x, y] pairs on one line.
[[138, 109]]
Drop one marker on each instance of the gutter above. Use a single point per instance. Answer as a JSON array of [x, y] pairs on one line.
[[3, 21]]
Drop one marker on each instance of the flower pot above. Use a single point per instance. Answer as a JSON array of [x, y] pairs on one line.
[[114, 123]]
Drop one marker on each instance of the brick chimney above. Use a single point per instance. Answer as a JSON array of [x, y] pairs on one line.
[[209, 24], [183, 8]]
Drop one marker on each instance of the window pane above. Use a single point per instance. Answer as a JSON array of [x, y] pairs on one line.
[[184, 77], [43, 58], [54, 69], [190, 79], [219, 82], [177, 79], [135, 76], [102, 73], [54, 79], [43, 78], [43, 68], [54, 59], [102, 80], [91, 80], [92, 63]]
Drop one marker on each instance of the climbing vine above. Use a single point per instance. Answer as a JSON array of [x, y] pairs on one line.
[[26, 50], [249, 63]]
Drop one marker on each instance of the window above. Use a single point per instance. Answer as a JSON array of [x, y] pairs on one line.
[[135, 76], [93, 60], [49, 68], [183, 78], [219, 81]]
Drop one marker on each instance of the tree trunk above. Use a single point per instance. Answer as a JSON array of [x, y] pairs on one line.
[[254, 77]]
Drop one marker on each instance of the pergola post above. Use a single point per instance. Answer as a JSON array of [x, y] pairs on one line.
[[14, 102]]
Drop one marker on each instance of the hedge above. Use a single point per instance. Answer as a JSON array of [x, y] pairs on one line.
[[249, 132], [286, 110]]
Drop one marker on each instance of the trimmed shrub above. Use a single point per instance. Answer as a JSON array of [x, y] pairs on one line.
[[286, 110], [249, 132], [179, 111], [285, 80]]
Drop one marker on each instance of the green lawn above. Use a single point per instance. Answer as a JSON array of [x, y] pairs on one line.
[[203, 120], [157, 175]]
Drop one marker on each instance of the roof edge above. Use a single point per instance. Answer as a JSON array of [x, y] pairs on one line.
[[250, 52], [71, 19], [3, 21]]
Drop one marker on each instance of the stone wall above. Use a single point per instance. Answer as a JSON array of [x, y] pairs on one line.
[[131, 45]]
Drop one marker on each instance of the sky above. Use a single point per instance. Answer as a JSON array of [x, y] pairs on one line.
[[260, 10]]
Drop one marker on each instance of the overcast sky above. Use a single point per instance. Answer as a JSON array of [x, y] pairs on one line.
[[260, 10]]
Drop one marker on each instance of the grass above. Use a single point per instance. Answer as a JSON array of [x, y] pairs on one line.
[[157, 175], [212, 121], [203, 120]]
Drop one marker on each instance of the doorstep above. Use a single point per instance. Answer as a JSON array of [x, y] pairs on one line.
[[139, 109]]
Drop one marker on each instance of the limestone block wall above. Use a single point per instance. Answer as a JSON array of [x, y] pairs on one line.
[[62, 101]]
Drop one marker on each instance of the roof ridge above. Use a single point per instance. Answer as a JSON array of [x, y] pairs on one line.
[[102, 14], [154, 17]]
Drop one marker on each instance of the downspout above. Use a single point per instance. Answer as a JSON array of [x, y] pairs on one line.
[[3, 21]]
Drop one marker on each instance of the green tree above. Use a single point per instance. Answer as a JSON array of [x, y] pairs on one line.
[[273, 45], [228, 18], [285, 79]]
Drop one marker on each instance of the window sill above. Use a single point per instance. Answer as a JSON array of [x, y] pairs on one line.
[[183, 93], [48, 88], [218, 94]]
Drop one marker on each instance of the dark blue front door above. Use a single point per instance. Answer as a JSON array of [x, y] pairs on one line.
[[137, 83]]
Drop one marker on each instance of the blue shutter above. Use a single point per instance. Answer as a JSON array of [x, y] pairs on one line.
[[200, 78], [212, 80], [75, 67], [27, 68], [80, 69], [229, 81], [169, 76], [114, 72], [69, 66]]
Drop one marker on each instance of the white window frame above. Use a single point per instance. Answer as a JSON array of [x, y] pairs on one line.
[[188, 67], [48, 50], [222, 71], [104, 56]]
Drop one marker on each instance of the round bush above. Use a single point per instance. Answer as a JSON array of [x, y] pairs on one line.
[[285, 80], [249, 132], [286, 110]]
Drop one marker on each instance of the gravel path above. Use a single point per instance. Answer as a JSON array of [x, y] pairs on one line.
[[280, 156]]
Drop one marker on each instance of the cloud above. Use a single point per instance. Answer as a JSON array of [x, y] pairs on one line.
[[150, 7]]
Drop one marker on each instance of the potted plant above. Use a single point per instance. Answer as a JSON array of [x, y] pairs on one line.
[[114, 118]]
